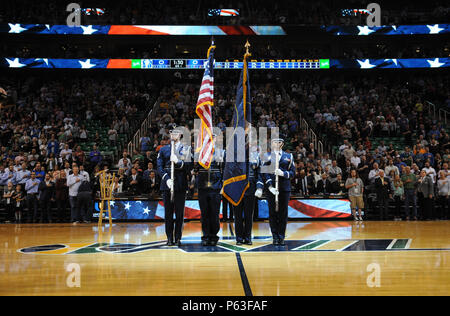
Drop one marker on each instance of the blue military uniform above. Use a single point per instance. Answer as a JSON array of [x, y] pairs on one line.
[[278, 220], [182, 168], [243, 212], [209, 184]]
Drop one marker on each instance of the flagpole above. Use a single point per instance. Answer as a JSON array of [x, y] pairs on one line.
[[246, 55]]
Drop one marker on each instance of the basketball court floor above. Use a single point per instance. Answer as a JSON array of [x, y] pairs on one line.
[[320, 258]]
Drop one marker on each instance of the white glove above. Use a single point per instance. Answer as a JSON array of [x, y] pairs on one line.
[[259, 193], [221, 191], [174, 158], [279, 172], [273, 190], [169, 183]]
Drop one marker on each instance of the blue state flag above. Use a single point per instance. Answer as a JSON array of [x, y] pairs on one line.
[[235, 180]]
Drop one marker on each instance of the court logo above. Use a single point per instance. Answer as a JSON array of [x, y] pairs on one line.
[[228, 244]]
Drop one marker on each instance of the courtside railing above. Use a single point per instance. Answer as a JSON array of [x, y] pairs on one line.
[[442, 114], [142, 131], [312, 136]]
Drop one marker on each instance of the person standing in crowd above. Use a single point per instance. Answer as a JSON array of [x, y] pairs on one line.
[[95, 157], [430, 171], [84, 200], [355, 187], [11, 175], [66, 153], [409, 180], [324, 185], [9, 202], [152, 184], [53, 146], [306, 184], [398, 194], [209, 183], [46, 196], [149, 170], [78, 156], [425, 191], [374, 173], [179, 185], [31, 187], [383, 189], [338, 186], [3, 176], [334, 171], [443, 192], [134, 183], [84, 173], [18, 197], [61, 195], [40, 174], [73, 182], [278, 214], [391, 167], [23, 175]]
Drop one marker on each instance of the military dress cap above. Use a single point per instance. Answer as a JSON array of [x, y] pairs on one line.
[[176, 130], [278, 140]]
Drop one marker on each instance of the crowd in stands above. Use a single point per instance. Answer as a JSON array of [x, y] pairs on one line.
[[54, 127], [373, 125], [252, 12], [377, 125]]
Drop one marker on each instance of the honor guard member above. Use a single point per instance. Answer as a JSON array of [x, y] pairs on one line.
[[178, 183], [278, 214], [209, 184], [243, 213]]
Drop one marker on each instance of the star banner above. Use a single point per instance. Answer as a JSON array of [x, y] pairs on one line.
[[149, 64]]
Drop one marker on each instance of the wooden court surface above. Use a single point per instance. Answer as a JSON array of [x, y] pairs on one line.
[[321, 258]]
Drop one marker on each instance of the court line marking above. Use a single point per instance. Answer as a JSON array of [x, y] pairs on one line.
[[306, 245], [391, 244], [345, 247], [248, 249], [324, 245], [408, 243], [41, 252], [244, 279]]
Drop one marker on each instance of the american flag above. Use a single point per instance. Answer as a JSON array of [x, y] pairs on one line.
[[205, 101], [223, 12]]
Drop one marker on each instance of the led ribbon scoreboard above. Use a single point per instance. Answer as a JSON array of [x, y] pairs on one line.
[[200, 63]]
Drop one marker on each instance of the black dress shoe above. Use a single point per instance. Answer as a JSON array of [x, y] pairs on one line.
[[178, 243], [275, 242], [213, 243], [281, 242], [169, 243], [205, 242], [239, 243], [249, 242]]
